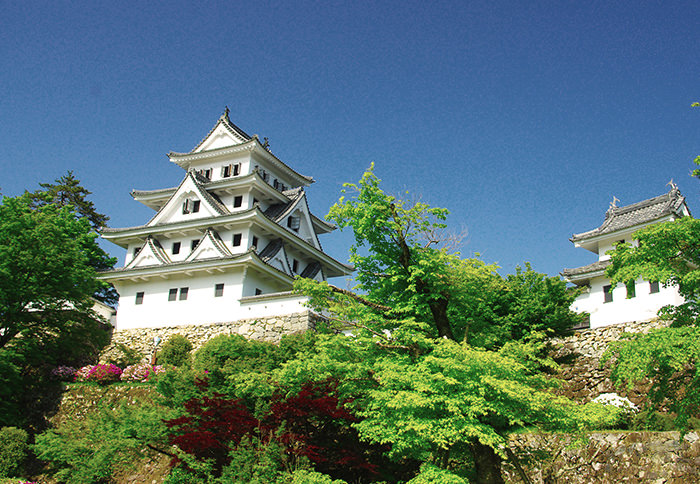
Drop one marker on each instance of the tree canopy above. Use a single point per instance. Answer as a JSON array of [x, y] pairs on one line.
[[47, 257], [411, 366], [405, 266], [67, 190]]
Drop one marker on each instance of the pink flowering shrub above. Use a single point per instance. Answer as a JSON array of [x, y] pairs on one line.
[[141, 372], [103, 373]]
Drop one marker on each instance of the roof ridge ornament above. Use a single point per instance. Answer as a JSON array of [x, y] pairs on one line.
[[226, 111], [613, 206], [674, 187]]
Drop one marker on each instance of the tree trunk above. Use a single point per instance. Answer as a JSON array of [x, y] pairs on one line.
[[487, 464], [442, 322]]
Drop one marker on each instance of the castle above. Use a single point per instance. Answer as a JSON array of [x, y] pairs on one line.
[[639, 300], [225, 244]]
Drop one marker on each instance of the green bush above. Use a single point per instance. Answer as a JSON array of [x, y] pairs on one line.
[[430, 473], [659, 421], [235, 353], [303, 476], [175, 351], [13, 451]]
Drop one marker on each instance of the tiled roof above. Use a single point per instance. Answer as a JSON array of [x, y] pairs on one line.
[[618, 218], [270, 250], [590, 268], [311, 270], [232, 128], [274, 211]]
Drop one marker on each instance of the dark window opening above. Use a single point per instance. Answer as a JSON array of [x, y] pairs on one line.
[[237, 240], [255, 201], [195, 206], [218, 290], [139, 298], [136, 251], [295, 266], [653, 287], [607, 294], [631, 290], [186, 207], [172, 295], [193, 244], [176, 248], [226, 171], [293, 223], [255, 241], [258, 291], [236, 169], [237, 201], [183, 293]]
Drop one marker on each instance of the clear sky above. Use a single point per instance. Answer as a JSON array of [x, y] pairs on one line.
[[522, 118]]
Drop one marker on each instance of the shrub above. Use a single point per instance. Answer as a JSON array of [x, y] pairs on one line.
[[64, 373], [141, 372], [237, 354], [303, 476], [13, 451], [175, 351], [102, 373]]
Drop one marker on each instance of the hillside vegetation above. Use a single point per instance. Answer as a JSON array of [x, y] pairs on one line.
[[420, 375]]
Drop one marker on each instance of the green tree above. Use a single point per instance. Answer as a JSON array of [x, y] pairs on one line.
[[416, 289], [405, 267], [68, 192], [669, 253], [45, 267]]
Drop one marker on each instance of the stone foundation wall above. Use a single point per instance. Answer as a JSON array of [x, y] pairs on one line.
[[269, 329], [634, 457], [579, 356]]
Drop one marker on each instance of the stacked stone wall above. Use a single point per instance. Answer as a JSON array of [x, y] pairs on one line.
[[269, 329], [579, 355], [606, 457]]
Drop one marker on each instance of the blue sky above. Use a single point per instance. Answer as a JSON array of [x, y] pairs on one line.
[[522, 118]]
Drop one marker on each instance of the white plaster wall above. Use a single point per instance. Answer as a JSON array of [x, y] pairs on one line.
[[265, 307], [201, 307], [642, 307], [254, 281]]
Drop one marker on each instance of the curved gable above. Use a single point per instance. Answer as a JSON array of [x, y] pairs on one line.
[[190, 201], [209, 247], [150, 254]]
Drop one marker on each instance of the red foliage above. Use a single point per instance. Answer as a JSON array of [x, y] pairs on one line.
[[314, 423], [214, 425]]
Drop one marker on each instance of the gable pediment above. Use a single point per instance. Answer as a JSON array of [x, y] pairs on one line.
[[189, 202], [220, 137], [150, 254], [297, 219], [223, 134], [209, 247]]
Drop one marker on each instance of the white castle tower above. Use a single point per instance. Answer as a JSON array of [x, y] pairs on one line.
[[224, 245], [639, 300]]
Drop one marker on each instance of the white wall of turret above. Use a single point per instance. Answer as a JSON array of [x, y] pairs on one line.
[[623, 303]]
